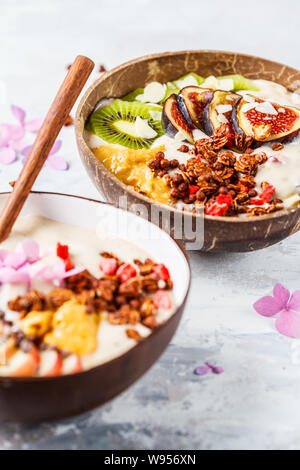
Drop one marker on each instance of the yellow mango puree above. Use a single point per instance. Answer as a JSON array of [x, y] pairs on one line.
[[69, 328], [130, 166]]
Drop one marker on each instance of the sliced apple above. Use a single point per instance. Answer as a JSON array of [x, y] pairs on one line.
[[50, 364], [72, 364], [173, 120], [7, 349], [22, 364]]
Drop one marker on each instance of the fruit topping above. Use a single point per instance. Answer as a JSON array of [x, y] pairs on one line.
[[173, 120], [265, 196], [220, 205], [108, 266], [117, 124], [238, 81], [126, 271], [218, 111], [72, 364], [162, 300], [192, 101], [162, 271], [265, 121], [50, 363], [62, 251]]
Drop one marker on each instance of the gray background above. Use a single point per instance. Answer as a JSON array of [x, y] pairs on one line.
[[255, 403]]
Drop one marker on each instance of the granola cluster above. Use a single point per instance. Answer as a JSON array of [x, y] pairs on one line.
[[129, 293], [215, 179]]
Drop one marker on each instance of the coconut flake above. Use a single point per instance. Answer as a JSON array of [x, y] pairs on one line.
[[222, 118], [210, 82], [223, 108], [143, 129], [226, 84], [190, 80], [247, 106], [249, 98], [179, 136], [281, 110], [266, 108], [154, 92]]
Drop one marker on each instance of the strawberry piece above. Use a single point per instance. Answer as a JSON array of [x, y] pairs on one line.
[[162, 300], [257, 202], [126, 271], [267, 193], [162, 271], [108, 266], [242, 187], [68, 264], [220, 205], [265, 196], [193, 189], [62, 251]]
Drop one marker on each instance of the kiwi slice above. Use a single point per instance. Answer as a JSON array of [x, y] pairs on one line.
[[240, 82], [116, 123]]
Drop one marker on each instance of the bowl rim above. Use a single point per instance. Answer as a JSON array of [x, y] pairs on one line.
[[86, 150], [6, 379]]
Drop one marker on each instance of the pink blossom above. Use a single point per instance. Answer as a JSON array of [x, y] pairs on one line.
[[286, 305]]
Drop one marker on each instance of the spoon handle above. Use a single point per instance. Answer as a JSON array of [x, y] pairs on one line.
[[53, 122]]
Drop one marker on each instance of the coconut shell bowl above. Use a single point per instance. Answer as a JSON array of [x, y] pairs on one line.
[[236, 234], [37, 399]]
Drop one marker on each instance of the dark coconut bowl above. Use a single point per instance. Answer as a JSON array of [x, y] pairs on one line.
[[237, 234], [37, 399]]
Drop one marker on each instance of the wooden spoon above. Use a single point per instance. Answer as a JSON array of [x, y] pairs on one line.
[[53, 122]]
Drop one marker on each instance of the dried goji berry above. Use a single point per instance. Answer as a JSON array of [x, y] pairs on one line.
[[68, 264], [62, 251], [193, 188]]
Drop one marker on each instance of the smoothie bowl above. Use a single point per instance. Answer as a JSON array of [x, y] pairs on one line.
[[85, 309], [207, 134]]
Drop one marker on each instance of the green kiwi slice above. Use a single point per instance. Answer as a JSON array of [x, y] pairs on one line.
[[240, 82], [115, 123]]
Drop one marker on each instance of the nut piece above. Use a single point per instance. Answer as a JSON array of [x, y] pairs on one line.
[[133, 334]]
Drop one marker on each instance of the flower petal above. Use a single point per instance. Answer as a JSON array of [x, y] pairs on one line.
[[19, 113], [15, 260], [281, 294], [267, 306], [288, 324], [56, 147], [294, 303], [10, 275], [202, 370], [17, 144], [34, 125], [30, 249], [15, 132], [57, 163], [7, 156]]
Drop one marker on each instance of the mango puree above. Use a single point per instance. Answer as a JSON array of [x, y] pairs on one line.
[[130, 166], [69, 328]]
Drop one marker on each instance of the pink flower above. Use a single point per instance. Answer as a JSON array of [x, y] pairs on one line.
[[19, 265], [11, 141], [207, 368], [54, 161], [288, 321], [11, 135]]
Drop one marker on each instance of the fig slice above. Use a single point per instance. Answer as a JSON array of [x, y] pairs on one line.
[[265, 121], [173, 120], [192, 101], [218, 111]]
